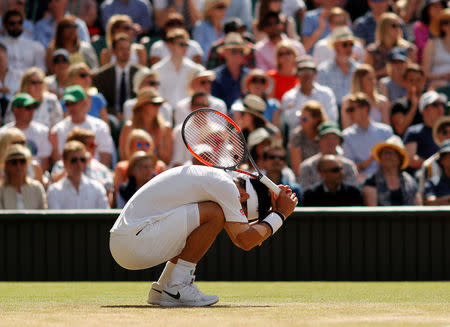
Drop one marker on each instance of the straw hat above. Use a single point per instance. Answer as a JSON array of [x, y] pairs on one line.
[[257, 72], [435, 27], [233, 41], [441, 121], [341, 34], [252, 104], [258, 136], [147, 95], [200, 72], [394, 142]]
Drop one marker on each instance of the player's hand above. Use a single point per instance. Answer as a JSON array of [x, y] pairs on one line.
[[285, 202]]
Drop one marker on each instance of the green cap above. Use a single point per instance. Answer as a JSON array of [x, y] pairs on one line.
[[24, 100], [74, 93], [328, 127]]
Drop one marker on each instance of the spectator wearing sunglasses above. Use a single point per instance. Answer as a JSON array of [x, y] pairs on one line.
[[28, 25], [190, 11], [76, 190], [17, 190], [332, 191]]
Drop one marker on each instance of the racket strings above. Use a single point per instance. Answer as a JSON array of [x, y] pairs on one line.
[[214, 139]]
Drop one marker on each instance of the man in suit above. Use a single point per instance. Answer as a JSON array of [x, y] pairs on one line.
[[114, 81]]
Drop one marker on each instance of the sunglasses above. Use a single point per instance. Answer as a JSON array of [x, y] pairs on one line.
[[182, 44], [237, 51], [128, 28], [84, 75], [174, 23], [20, 142], [15, 162], [74, 160], [69, 103], [221, 7], [274, 156], [258, 80], [142, 145], [348, 44], [15, 22], [445, 22], [334, 170], [395, 25], [274, 23], [60, 60], [36, 82], [285, 53], [205, 82]]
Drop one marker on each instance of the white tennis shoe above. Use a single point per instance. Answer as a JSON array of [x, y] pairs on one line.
[[154, 295], [185, 294]]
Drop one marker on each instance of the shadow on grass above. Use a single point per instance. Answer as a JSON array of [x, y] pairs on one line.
[[143, 306]]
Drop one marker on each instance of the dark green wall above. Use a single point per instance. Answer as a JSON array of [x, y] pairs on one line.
[[315, 244]]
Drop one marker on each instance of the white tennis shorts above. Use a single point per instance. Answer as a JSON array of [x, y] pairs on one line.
[[158, 241]]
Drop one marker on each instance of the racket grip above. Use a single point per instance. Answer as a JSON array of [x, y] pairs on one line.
[[271, 185]]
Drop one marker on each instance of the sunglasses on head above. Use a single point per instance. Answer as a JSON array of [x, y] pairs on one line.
[[334, 169], [76, 159], [258, 80], [15, 162], [275, 156]]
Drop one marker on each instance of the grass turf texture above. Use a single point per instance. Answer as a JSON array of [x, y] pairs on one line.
[[240, 304]]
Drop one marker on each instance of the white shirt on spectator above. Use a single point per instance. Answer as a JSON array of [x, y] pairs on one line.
[[159, 49], [183, 108], [322, 52], [180, 153], [90, 195], [12, 81]]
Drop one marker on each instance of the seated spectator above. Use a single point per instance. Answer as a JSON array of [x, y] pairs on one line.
[[160, 49], [363, 135], [28, 25], [23, 106], [140, 11], [16, 42], [437, 189], [302, 140], [191, 12], [140, 171], [9, 81], [49, 111], [330, 139], [271, 24], [418, 138], [364, 81], [147, 117], [258, 141], [89, 14], [12, 136], [122, 24], [175, 69], [387, 36], [65, 38], [284, 76], [365, 26], [392, 85], [436, 57], [76, 191], [404, 111], [17, 190], [390, 186], [241, 9], [332, 191], [60, 65], [144, 79], [77, 105], [80, 74], [209, 29]]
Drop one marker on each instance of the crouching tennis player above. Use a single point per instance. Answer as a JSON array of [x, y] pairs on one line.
[[178, 214]]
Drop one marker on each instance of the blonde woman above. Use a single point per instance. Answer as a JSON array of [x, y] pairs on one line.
[[302, 142], [365, 81], [122, 24], [387, 36]]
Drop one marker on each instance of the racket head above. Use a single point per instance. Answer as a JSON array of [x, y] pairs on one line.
[[214, 139]]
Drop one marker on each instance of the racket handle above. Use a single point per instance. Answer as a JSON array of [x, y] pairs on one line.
[[271, 185]]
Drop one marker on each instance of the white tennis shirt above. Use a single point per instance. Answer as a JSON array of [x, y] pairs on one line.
[[179, 186]]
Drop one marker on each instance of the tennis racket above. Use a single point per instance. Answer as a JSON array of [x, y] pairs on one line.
[[217, 141]]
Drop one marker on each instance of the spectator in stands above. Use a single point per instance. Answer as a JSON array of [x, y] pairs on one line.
[[147, 117], [60, 65], [49, 111], [122, 24], [115, 81], [140, 11], [210, 28], [199, 81], [140, 171], [436, 57], [332, 191], [404, 111], [9, 81], [284, 76], [80, 74], [160, 49], [258, 141], [23, 106], [241, 9], [233, 25], [388, 35], [337, 73], [89, 14], [45, 28], [365, 81], [77, 105], [330, 139], [365, 26], [363, 135], [65, 38], [16, 43], [308, 89], [271, 24], [437, 189], [227, 85], [429, 15], [322, 51], [190, 10], [392, 85], [302, 140], [76, 191], [389, 185], [28, 25], [12, 136], [418, 138], [17, 190]]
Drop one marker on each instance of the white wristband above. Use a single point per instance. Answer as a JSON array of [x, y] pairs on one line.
[[274, 220]]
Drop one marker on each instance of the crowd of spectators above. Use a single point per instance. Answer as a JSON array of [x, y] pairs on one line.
[[347, 103]]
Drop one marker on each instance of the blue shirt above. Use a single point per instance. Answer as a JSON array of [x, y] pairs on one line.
[[423, 136], [311, 23], [46, 27], [438, 186], [225, 87], [242, 10], [140, 11], [205, 34], [98, 102]]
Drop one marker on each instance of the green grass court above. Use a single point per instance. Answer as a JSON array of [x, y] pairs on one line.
[[241, 304]]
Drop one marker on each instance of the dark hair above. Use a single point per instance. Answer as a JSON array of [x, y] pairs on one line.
[[120, 37], [59, 33], [11, 13], [360, 99], [264, 199], [425, 17], [412, 67], [268, 16]]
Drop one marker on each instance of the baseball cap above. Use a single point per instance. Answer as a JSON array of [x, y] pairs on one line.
[[430, 97], [24, 100], [74, 93], [328, 127], [398, 53], [61, 52]]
